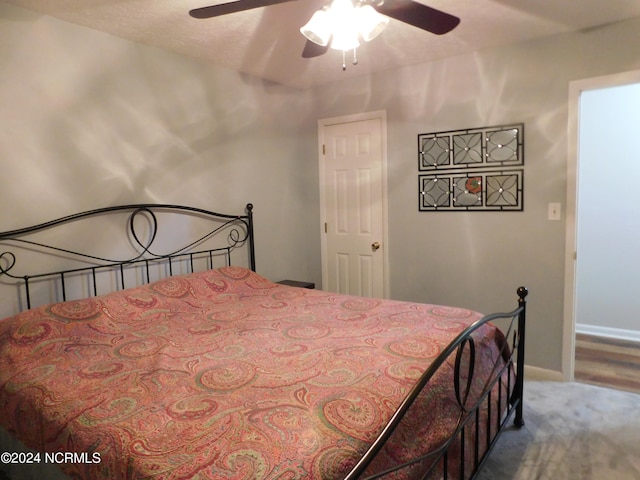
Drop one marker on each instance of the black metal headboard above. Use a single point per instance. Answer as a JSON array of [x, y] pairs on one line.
[[195, 236]]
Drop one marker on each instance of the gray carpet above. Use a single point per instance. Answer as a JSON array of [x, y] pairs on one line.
[[572, 431]]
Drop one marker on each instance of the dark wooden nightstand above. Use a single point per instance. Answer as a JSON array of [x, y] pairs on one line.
[[296, 283]]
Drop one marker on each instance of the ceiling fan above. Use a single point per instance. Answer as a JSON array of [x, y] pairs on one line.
[[407, 11]]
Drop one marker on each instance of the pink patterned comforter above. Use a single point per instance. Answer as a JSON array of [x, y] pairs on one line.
[[225, 375]]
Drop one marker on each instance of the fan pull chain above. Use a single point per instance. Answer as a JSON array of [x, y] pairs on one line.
[[344, 59]]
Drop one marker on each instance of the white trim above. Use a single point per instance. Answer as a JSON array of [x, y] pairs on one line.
[[575, 91], [325, 122], [608, 332], [542, 374]]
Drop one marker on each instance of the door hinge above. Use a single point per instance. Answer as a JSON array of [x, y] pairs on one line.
[[325, 227], [324, 149]]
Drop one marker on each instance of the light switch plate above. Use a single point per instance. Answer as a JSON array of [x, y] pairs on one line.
[[555, 211]]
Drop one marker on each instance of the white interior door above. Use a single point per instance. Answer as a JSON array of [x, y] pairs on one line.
[[353, 191]]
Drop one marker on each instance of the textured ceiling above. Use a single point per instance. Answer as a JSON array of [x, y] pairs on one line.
[[266, 42]]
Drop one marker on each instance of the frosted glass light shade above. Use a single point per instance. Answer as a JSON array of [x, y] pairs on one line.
[[370, 23], [318, 28]]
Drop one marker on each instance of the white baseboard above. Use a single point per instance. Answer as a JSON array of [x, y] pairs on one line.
[[609, 332], [542, 374]]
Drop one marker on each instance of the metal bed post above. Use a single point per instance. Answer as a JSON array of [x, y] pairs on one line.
[[519, 386], [252, 248]]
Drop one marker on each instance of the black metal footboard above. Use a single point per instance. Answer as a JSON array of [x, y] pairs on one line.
[[483, 416]]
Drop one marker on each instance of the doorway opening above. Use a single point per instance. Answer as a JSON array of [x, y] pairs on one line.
[[603, 228]]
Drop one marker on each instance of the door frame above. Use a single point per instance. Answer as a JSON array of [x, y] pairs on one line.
[[322, 124], [573, 131]]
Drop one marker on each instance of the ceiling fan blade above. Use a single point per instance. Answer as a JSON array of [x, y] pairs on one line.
[[232, 7], [419, 15], [312, 50]]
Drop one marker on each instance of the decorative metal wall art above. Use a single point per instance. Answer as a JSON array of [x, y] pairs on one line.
[[478, 169]]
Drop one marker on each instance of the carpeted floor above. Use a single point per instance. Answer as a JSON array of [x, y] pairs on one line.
[[572, 431]]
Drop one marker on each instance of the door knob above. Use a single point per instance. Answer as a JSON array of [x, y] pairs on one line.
[[375, 246]]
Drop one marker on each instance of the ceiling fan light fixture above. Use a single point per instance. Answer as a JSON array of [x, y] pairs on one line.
[[341, 24]]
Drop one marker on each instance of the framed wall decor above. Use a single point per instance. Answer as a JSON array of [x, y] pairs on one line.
[[474, 169]]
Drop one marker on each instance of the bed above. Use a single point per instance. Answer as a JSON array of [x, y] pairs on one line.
[[193, 365]]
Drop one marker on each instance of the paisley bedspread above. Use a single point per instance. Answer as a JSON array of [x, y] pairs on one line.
[[226, 375]]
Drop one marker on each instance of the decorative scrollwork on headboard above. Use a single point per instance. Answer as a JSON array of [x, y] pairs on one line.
[[238, 229], [235, 237], [7, 261]]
